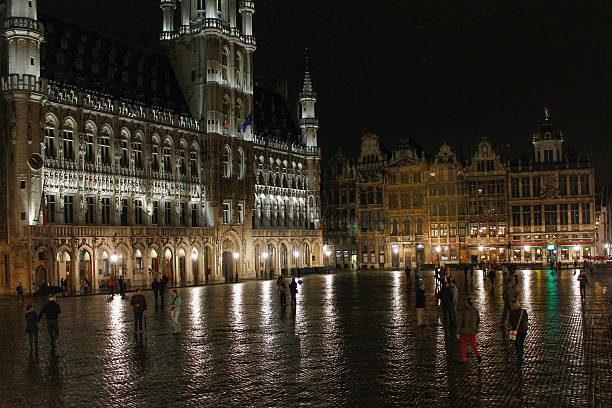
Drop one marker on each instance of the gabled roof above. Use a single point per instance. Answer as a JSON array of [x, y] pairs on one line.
[[78, 57]]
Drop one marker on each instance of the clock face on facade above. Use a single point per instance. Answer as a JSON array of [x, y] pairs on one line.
[[35, 161]]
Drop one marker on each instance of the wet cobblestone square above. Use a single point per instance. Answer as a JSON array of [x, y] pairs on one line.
[[352, 342]]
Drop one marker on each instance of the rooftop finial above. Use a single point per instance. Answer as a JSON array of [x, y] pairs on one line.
[[307, 84], [546, 113]]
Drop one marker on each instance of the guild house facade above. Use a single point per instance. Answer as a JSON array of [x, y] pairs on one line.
[[397, 209], [121, 161]]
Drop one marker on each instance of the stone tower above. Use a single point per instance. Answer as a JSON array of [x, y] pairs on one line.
[[212, 57], [20, 129], [308, 121]]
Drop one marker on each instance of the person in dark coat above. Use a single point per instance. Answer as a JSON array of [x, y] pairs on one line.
[[282, 290], [420, 304], [51, 310], [444, 296], [452, 304], [155, 287], [121, 287], [293, 289], [408, 277], [509, 295], [139, 303], [20, 293], [467, 327], [31, 318], [465, 273], [583, 284], [162, 289], [519, 322]]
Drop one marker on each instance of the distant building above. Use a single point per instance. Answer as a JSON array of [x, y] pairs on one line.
[[118, 160], [441, 210]]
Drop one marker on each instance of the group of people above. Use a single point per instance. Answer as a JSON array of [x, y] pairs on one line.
[[51, 310], [282, 287], [139, 306], [465, 322], [118, 284]]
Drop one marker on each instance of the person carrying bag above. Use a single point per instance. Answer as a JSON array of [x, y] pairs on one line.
[[518, 320]]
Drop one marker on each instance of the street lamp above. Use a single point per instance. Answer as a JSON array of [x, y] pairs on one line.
[[194, 258]]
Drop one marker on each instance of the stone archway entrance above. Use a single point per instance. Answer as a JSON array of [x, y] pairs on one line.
[[85, 277], [182, 267]]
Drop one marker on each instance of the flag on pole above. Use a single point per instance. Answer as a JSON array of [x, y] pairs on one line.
[[43, 209], [247, 122], [227, 119]]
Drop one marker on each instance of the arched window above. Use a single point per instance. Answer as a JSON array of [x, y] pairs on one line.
[[238, 70], [193, 162], [105, 137], [137, 151], [155, 153], [50, 132], [224, 60], [123, 145], [89, 143], [68, 140], [167, 156], [226, 160], [241, 164], [182, 160]]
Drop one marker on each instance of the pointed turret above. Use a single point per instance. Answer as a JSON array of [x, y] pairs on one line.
[[308, 122]]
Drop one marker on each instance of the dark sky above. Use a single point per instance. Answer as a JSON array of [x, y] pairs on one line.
[[430, 70]]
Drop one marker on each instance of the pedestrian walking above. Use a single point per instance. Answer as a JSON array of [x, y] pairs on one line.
[[121, 287], [472, 274], [31, 318], [492, 277], [162, 289], [408, 277], [420, 304], [85, 285], [453, 298], [155, 287], [465, 273], [282, 290], [467, 327], [582, 278], [175, 310], [509, 295], [20, 293], [518, 321], [111, 285], [293, 289], [139, 304], [443, 296], [51, 310]]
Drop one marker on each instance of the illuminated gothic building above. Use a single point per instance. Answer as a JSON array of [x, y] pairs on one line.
[[118, 160], [412, 211]]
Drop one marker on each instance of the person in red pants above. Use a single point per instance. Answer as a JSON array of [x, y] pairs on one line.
[[467, 327]]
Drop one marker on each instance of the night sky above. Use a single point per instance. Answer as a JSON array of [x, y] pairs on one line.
[[427, 70]]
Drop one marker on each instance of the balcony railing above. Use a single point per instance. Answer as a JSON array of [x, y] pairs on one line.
[[21, 82], [23, 23]]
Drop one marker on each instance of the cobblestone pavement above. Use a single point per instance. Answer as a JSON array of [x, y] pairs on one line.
[[353, 342]]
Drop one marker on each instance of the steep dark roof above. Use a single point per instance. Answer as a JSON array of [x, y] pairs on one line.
[[271, 117], [84, 59]]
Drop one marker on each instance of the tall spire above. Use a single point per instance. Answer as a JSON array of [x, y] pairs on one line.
[[307, 87]]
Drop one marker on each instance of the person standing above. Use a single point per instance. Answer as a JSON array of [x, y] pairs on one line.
[[419, 280], [20, 293], [175, 310], [51, 310], [155, 287], [467, 327], [465, 274], [518, 321], [31, 318], [509, 295], [582, 278], [282, 290], [293, 289], [453, 298], [444, 296], [420, 304], [408, 277], [121, 287], [492, 277], [139, 304], [111, 285], [162, 289]]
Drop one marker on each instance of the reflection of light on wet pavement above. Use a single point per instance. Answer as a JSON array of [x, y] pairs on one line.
[[524, 288], [196, 310]]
